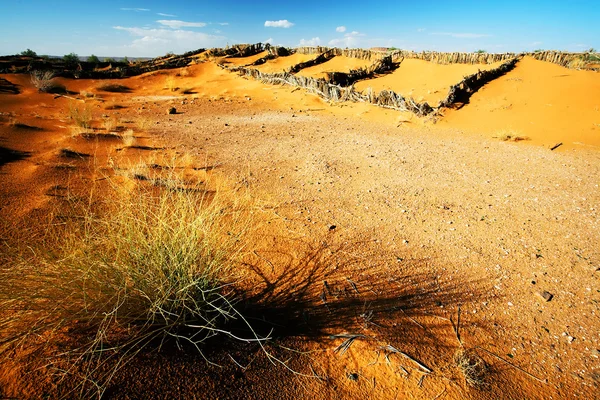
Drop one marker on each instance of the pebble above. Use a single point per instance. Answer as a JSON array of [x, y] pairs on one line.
[[353, 376], [547, 296], [172, 110]]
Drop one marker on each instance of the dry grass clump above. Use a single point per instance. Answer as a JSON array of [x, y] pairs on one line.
[[184, 72], [154, 264], [43, 81], [170, 84], [128, 138], [511, 136], [81, 116], [114, 88], [86, 94], [144, 123], [109, 124], [472, 367]]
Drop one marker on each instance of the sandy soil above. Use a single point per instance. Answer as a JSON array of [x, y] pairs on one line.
[[336, 64], [542, 101], [423, 80], [406, 221], [281, 64], [240, 61]]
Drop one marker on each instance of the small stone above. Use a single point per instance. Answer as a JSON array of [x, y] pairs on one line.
[[570, 339], [546, 296], [172, 110], [510, 304], [332, 227], [226, 124], [353, 376]]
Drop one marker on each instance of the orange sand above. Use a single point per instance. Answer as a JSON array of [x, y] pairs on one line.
[[336, 64], [423, 80], [244, 60], [281, 64], [539, 100]]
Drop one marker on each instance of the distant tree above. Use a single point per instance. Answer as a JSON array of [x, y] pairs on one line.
[[125, 60], [93, 59], [29, 53], [71, 60], [109, 60], [591, 50], [538, 50], [481, 51]]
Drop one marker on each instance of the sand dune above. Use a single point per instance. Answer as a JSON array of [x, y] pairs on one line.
[[239, 61], [423, 80], [336, 64], [281, 64], [542, 101]]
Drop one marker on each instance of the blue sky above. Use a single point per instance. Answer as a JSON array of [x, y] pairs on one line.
[[151, 28]]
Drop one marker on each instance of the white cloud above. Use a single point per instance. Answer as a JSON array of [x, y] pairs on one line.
[[340, 29], [282, 23], [135, 9], [269, 40], [223, 23], [176, 24], [354, 33], [153, 42], [350, 39], [166, 15], [311, 42], [461, 35], [421, 30]]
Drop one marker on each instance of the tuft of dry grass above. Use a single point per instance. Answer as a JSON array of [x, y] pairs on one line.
[[109, 124], [472, 367], [144, 123], [170, 84], [128, 138], [510, 136], [43, 81], [81, 116], [138, 266]]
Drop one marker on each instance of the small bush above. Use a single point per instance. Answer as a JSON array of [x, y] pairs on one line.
[[71, 60], [93, 59], [29, 53], [43, 81]]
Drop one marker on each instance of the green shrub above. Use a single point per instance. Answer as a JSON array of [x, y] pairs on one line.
[[71, 60], [93, 59], [29, 53]]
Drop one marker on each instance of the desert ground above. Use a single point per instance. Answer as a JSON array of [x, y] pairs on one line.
[[389, 255]]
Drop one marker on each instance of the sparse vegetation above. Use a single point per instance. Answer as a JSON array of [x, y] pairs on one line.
[[29, 53], [81, 116], [71, 60], [170, 84], [93, 59], [154, 265], [472, 367], [43, 81], [481, 51], [128, 138]]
